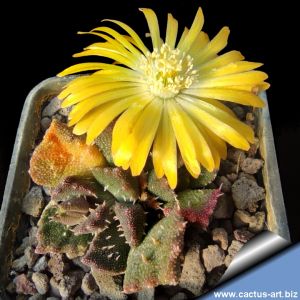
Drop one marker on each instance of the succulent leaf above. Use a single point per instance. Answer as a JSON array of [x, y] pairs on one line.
[[103, 141], [61, 154], [75, 187], [55, 237], [156, 260], [203, 179], [132, 219], [95, 222], [108, 251], [79, 205], [160, 187], [196, 205], [118, 182], [109, 285]]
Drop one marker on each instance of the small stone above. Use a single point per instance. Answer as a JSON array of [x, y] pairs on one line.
[[52, 107], [97, 296], [252, 165], [25, 243], [248, 176], [245, 192], [232, 177], [45, 123], [41, 264], [193, 273], [70, 283], [30, 257], [239, 111], [179, 296], [41, 282], [33, 203], [11, 288], [256, 222], [88, 284], [52, 298], [236, 156], [54, 285], [215, 275], [32, 234], [220, 236], [250, 116], [37, 297], [146, 294], [242, 235], [253, 148], [65, 111], [227, 167], [224, 183], [19, 264], [57, 265], [233, 249], [224, 208], [77, 261], [213, 256], [47, 191], [24, 285], [58, 117]]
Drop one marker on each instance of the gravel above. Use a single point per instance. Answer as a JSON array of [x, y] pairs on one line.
[[245, 192], [213, 256], [193, 273], [33, 203]]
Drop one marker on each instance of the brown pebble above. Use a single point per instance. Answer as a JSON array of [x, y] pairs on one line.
[[224, 208], [193, 273], [41, 282], [242, 235], [213, 256], [252, 165], [88, 284], [220, 236], [236, 156], [233, 249], [24, 285], [232, 177], [224, 183]]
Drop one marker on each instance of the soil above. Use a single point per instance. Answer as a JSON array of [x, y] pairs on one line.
[[240, 215]]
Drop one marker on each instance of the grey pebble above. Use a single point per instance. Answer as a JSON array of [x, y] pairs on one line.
[[245, 192], [41, 264], [45, 123], [52, 107], [34, 202]]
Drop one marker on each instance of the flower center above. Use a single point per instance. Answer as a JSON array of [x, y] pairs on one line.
[[167, 71]]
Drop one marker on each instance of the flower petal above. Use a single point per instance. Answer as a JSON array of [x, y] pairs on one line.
[[184, 138], [123, 127], [108, 112], [193, 33], [153, 26], [223, 116], [88, 104], [250, 77], [171, 33], [164, 150], [143, 134], [217, 44], [132, 33], [223, 130], [220, 61], [232, 95]]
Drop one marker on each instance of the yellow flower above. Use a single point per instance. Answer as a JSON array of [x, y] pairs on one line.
[[165, 98]]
